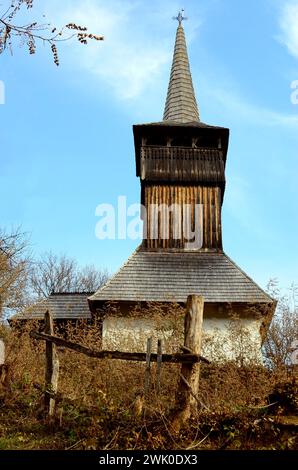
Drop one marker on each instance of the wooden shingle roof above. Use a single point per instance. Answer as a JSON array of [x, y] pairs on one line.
[[181, 105], [71, 306], [171, 276]]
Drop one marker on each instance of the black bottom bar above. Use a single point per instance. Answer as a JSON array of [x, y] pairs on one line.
[[141, 459]]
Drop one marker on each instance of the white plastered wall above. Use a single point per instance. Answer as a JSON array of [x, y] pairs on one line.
[[223, 339]]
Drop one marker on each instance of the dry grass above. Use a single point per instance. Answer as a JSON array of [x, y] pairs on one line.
[[99, 402]]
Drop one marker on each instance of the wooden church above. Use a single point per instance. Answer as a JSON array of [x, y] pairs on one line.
[[180, 162]]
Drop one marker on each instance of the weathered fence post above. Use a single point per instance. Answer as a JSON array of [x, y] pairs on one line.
[[3, 367], [2, 352], [52, 368], [158, 362], [186, 399], [148, 366]]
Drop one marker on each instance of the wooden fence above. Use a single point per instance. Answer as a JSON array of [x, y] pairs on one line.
[[190, 358]]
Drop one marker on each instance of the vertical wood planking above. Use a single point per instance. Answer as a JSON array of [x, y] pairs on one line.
[[209, 197]]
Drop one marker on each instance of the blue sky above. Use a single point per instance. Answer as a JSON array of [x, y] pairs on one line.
[[66, 133]]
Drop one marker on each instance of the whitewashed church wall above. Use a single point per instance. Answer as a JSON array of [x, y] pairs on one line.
[[222, 338], [131, 334]]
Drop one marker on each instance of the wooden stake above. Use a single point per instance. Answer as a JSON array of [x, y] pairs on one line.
[[52, 368], [159, 361], [148, 366], [2, 352], [186, 401]]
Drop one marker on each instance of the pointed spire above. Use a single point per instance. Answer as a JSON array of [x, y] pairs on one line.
[[181, 105]]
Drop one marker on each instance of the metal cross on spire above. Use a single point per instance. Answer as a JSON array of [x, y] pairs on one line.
[[180, 16]]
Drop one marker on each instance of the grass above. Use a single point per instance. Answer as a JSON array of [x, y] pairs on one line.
[[106, 426], [96, 405]]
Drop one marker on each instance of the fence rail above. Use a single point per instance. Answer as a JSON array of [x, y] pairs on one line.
[[124, 356]]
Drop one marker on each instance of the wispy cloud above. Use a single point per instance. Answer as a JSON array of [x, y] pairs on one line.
[[131, 57], [236, 105], [135, 57], [289, 26]]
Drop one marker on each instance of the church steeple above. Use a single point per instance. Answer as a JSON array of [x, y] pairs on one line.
[[181, 104], [181, 163]]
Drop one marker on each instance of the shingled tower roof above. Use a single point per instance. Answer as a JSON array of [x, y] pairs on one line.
[[181, 104]]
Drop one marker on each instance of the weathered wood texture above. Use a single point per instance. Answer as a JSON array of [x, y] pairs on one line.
[[3, 366], [2, 352], [62, 305], [4, 369], [186, 401], [148, 366], [181, 105], [202, 165], [52, 368], [169, 276], [124, 356], [160, 235], [159, 362]]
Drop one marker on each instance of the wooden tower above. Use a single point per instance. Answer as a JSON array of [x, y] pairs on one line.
[[181, 161]]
